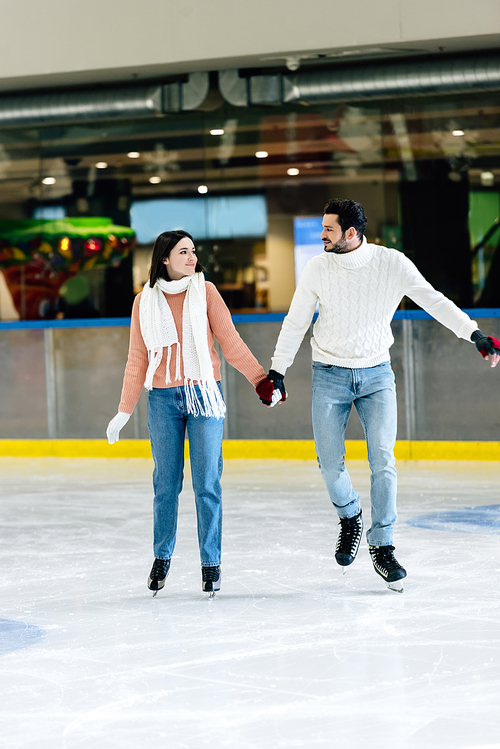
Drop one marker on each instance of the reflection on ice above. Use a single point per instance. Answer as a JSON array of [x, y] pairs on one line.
[[482, 519], [16, 635], [290, 653]]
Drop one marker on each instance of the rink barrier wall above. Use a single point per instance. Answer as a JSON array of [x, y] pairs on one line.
[[249, 449], [60, 380]]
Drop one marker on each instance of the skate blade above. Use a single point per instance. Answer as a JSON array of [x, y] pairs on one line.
[[155, 593], [397, 585], [212, 594], [344, 570]]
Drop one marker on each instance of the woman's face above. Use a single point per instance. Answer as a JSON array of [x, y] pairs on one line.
[[182, 260]]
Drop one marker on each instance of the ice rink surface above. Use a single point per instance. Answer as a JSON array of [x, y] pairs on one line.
[[289, 654]]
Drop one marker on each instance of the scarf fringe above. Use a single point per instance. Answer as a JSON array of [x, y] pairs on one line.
[[154, 358], [168, 379], [178, 362], [210, 402], [167, 372]]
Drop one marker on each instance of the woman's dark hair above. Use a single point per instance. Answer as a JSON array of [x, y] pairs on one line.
[[350, 213], [163, 246]]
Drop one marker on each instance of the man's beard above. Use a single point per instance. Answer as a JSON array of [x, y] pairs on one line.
[[340, 247]]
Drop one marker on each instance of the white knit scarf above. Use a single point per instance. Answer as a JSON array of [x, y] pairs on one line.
[[159, 332]]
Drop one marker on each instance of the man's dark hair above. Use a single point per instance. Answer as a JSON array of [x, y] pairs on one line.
[[350, 213]]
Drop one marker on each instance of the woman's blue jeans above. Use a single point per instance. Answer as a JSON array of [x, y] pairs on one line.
[[373, 392], [168, 421]]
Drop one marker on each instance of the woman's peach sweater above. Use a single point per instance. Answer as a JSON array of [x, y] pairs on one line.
[[219, 326]]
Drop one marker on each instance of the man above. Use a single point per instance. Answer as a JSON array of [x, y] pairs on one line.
[[359, 287]]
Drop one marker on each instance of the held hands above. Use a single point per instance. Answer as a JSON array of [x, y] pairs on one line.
[[272, 389], [115, 425], [487, 346]]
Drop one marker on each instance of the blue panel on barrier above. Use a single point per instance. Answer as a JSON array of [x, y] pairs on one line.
[[17, 635], [484, 519], [98, 322], [258, 317], [120, 322]]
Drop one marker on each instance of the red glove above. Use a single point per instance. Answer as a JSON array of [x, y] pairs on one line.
[[272, 389], [265, 390], [486, 345]]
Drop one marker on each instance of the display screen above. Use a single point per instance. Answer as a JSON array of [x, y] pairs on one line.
[[307, 241], [224, 217]]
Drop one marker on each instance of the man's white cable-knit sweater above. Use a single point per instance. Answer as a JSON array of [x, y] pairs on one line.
[[358, 293]]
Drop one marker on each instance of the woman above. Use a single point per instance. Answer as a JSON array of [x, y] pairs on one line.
[[172, 354]]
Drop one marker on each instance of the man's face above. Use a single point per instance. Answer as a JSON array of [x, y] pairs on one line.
[[333, 237]]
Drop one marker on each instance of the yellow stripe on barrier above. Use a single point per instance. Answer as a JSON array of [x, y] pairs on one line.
[[443, 450], [74, 449], [266, 449], [249, 449]]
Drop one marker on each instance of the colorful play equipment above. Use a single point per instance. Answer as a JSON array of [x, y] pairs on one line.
[[37, 256]]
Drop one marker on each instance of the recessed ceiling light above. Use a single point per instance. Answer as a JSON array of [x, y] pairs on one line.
[[203, 189], [49, 180], [101, 165], [217, 131], [457, 132], [487, 179], [261, 154], [133, 154], [293, 171], [155, 180]]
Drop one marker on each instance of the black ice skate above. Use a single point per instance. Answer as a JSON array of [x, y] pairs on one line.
[[210, 580], [158, 575], [387, 566], [351, 530]]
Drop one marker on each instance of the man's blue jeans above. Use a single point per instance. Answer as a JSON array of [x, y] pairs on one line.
[[168, 421], [373, 392]]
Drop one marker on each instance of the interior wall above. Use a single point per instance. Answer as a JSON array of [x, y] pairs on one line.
[[7, 309], [157, 37], [142, 263], [280, 262]]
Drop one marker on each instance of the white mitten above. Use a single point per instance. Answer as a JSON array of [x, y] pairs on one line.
[[115, 425], [275, 397]]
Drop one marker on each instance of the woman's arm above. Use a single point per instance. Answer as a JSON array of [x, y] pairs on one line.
[[233, 347], [137, 364]]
